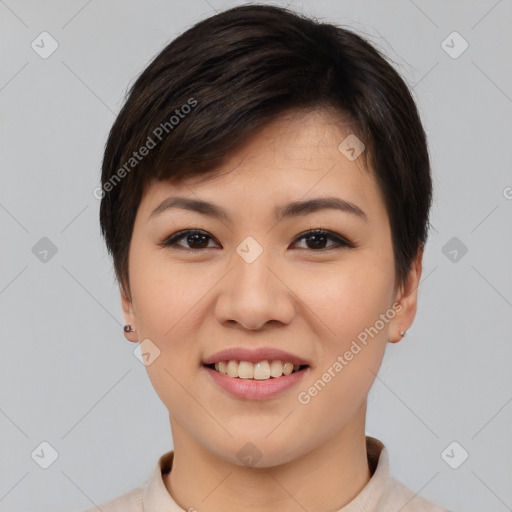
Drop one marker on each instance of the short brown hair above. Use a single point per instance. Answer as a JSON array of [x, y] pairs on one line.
[[237, 71]]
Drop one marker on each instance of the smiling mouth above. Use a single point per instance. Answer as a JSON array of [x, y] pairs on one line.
[[263, 370]]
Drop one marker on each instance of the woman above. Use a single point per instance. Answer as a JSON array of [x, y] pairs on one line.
[[265, 197]]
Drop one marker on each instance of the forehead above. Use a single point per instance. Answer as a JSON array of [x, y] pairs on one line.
[[300, 155]]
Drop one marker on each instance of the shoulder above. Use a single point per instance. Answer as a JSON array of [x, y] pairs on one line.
[[398, 495], [128, 502]]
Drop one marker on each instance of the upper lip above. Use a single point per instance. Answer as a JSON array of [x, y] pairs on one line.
[[254, 355]]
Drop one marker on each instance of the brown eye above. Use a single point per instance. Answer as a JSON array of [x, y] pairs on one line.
[[196, 240], [316, 240]]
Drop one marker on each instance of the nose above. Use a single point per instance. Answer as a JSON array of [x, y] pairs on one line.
[[254, 294]]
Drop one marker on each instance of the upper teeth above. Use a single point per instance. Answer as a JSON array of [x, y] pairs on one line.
[[259, 371]]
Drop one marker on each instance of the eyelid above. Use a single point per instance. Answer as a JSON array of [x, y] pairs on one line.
[[342, 241], [171, 240]]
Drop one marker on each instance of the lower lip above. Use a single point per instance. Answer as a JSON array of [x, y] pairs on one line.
[[251, 389]]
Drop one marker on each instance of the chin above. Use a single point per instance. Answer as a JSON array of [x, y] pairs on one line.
[[259, 451]]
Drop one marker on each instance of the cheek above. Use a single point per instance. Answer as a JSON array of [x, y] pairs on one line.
[[349, 298], [166, 301], [165, 313], [351, 302], [351, 306], [165, 295]]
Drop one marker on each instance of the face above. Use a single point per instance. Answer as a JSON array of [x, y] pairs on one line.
[[260, 277]]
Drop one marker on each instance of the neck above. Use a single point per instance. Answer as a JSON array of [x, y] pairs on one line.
[[324, 479]]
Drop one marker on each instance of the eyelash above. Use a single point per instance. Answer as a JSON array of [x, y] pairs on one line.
[[341, 241]]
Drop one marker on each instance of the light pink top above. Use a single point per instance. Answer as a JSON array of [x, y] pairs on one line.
[[381, 494]]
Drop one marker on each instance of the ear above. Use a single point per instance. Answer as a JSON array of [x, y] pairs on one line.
[[129, 316], [407, 297]]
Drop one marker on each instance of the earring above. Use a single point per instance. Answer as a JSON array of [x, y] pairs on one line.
[[402, 333], [128, 328]]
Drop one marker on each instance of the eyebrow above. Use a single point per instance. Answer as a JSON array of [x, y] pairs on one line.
[[293, 209]]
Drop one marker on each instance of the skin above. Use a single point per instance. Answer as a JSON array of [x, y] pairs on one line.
[[307, 300]]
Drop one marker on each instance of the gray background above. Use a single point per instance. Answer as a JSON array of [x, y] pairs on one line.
[[69, 377]]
